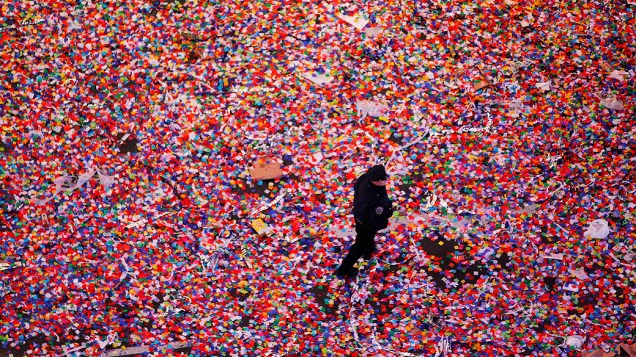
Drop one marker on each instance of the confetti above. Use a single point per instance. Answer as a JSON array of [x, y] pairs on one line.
[[176, 177]]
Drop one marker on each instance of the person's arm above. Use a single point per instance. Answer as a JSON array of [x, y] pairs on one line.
[[361, 202], [362, 212]]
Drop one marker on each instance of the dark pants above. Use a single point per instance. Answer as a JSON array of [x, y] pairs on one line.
[[364, 245]]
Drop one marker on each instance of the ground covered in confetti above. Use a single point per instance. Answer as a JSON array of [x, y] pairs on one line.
[[129, 129]]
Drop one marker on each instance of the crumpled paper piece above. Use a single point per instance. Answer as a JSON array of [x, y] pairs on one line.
[[575, 341], [598, 229], [370, 108], [612, 103], [620, 75], [105, 180]]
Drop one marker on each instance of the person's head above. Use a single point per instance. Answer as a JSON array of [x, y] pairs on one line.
[[377, 175]]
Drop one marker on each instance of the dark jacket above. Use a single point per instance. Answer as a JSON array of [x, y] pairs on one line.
[[371, 204]]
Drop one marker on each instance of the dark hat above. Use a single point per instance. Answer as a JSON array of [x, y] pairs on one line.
[[377, 173]]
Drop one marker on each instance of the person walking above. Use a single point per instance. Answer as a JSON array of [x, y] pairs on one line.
[[371, 211]]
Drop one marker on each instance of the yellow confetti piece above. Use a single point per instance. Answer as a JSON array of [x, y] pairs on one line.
[[260, 226]]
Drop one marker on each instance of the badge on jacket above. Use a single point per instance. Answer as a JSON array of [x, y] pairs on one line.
[[379, 210]]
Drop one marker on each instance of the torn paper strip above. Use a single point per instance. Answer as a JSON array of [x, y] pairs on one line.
[[373, 31], [544, 86], [620, 75], [317, 78], [70, 183]]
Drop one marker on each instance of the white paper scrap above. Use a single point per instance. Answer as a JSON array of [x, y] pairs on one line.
[[357, 21]]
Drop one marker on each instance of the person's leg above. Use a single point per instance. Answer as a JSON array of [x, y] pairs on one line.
[[364, 239], [367, 241], [370, 248], [346, 267]]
